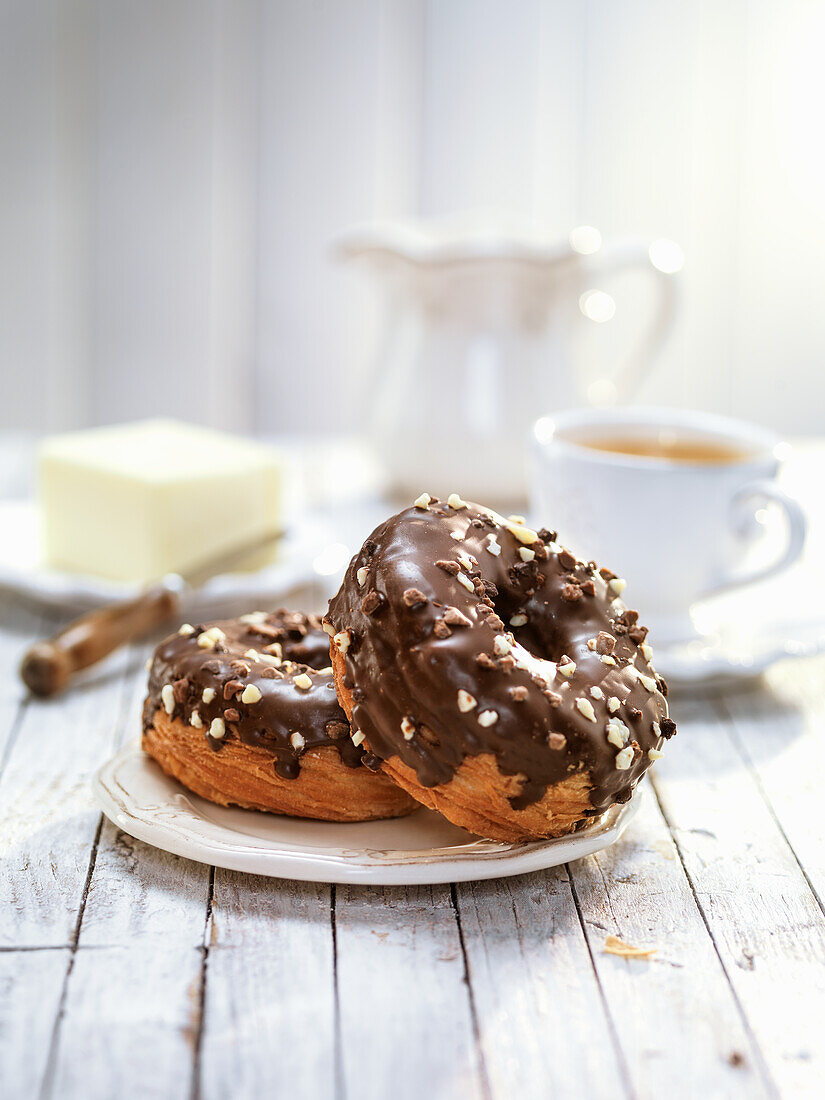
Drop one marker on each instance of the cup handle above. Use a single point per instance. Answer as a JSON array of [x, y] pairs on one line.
[[622, 256], [797, 532]]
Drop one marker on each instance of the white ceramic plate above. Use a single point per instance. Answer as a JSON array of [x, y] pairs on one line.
[[422, 848]]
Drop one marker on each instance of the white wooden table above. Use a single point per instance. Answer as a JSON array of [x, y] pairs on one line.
[[126, 972]]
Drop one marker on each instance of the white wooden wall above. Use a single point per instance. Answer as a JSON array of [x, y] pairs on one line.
[[171, 172]]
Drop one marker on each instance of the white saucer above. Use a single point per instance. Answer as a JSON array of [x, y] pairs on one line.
[[741, 633], [306, 554], [423, 848]]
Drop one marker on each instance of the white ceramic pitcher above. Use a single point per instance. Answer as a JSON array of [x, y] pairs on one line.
[[478, 341]]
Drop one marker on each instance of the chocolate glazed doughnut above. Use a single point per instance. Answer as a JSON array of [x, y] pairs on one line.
[[244, 712], [494, 676]]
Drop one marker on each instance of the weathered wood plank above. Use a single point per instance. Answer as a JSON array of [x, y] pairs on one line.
[[49, 817], [130, 1023], [138, 892], [406, 1027], [269, 1014], [778, 730], [765, 920], [679, 1000], [133, 997], [541, 1020], [31, 984]]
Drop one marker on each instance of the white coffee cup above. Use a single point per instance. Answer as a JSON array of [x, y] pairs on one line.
[[676, 529]]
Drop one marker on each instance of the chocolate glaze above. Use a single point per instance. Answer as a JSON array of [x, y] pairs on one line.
[[414, 637], [288, 644]]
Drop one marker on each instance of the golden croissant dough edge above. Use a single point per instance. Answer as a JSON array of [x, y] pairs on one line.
[[244, 775], [477, 797]]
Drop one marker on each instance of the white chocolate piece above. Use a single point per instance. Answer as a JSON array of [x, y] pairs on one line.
[[585, 707], [167, 697], [624, 758], [466, 702]]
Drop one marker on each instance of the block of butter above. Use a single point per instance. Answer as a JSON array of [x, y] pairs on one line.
[[136, 501]]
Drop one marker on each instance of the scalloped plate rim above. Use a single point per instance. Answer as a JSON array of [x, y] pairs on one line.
[[145, 814]]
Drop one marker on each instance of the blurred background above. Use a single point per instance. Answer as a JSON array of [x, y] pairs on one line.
[[174, 171]]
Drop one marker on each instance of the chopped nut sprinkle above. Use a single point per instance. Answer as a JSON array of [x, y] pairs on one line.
[[624, 758], [361, 576], [358, 738], [167, 696], [371, 602], [493, 546], [526, 554], [412, 597], [455, 617], [208, 695], [585, 707], [466, 702], [487, 718], [451, 567], [556, 741], [518, 620], [297, 740], [302, 681], [342, 640], [648, 682], [464, 580], [253, 655], [254, 618], [614, 946], [617, 586], [407, 728], [328, 628], [251, 694], [655, 754], [196, 720], [210, 638], [217, 729], [501, 645], [647, 652], [617, 732], [597, 692], [613, 704], [566, 667], [423, 502], [186, 629], [457, 536], [455, 502], [523, 534]]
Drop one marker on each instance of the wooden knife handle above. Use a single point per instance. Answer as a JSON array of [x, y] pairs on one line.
[[48, 666]]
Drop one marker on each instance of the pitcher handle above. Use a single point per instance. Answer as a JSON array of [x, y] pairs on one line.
[[623, 256]]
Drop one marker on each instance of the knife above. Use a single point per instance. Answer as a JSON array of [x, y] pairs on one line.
[[48, 666]]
